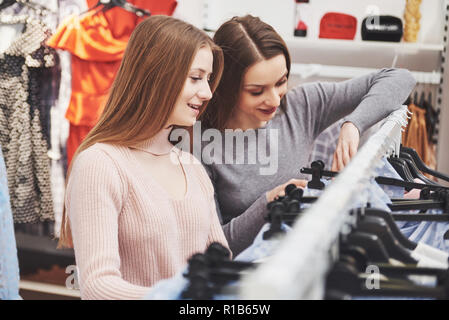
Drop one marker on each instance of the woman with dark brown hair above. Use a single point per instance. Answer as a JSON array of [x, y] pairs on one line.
[[136, 206], [252, 102]]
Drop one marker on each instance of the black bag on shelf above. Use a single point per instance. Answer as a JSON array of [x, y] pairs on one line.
[[382, 28]]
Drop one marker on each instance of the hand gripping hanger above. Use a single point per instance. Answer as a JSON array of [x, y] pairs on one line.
[[298, 269]]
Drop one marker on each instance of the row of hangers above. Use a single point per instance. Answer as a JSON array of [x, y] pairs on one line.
[[101, 6], [375, 239], [36, 7], [105, 5], [422, 98]]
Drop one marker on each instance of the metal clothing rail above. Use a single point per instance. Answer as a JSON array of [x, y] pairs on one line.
[[298, 268]]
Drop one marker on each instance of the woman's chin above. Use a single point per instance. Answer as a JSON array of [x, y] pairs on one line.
[[187, 122]]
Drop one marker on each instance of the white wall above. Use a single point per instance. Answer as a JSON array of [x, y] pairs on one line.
[[281, 13], [191, 11], [278, 13], [431, 20]]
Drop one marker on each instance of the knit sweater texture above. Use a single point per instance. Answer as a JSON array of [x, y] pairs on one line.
[[128, 233]]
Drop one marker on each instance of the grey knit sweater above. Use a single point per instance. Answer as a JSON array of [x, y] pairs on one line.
[[270, 156]]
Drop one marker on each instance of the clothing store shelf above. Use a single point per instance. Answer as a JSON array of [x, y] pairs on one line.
[[346, 72], [44, 290], [39, 252], [335, 44]]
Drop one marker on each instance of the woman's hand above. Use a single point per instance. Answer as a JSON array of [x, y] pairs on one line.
[[279, 191], [348, 143]]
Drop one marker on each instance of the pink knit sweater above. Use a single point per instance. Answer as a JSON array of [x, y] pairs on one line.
[[127, 232]]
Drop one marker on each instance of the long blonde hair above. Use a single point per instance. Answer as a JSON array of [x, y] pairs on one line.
[[151, 76]]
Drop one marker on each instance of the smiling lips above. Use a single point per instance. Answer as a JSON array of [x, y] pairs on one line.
[[268, 111], [194, 107]]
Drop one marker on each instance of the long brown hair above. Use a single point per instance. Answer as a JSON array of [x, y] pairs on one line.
[[149, 81], [244, 41]]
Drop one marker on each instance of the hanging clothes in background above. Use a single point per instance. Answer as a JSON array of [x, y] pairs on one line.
[[22, 113], [45, 12], [97, 41], [325, 144], [9, 265], [52, 90], [416, 135], [59, 124]]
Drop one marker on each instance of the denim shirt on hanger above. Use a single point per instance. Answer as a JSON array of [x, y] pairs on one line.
[[428, 232], [9, 266]]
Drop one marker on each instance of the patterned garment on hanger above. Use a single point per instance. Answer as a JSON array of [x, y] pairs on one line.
[[325, 144], [9, 266], [21, 134]]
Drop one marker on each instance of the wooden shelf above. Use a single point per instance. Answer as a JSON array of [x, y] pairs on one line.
[[345, 72], [336, 44], [48, 289]]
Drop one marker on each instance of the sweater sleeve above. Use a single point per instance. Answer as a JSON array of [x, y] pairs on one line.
[[241, 231], [216, 231], [363, 100], [94, 198]]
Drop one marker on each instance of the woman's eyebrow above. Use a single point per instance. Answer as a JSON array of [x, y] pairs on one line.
[[201, 70], [262, 85]]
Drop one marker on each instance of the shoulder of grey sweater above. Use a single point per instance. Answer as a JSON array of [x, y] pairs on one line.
[[299, 97], [404, 76], [301, 105]]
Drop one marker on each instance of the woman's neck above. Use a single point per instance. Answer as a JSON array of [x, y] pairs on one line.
[[158, 144], [244, 123]]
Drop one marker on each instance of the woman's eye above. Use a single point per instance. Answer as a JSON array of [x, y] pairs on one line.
[[196, 78], [280, 83], [256, 93]]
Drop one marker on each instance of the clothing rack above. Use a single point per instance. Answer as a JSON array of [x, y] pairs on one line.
[[298, 269]]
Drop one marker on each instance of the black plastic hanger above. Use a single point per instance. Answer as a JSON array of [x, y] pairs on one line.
[[422, 101], [319, 172], [422, 166], [401, 168], [414, 169], [210, 272], [416, 205], [7, 3], [386, 216], [109, 4], [38, 8], [358, 253], [438, 199], [371, 243], [345, 278], [380, 228]]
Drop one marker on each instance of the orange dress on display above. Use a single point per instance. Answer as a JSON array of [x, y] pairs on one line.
[[97, 42]]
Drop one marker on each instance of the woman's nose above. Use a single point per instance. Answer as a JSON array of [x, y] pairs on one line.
[[274, 98], [205, 93]]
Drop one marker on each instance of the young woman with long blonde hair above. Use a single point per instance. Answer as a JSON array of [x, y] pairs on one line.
[[135, 208]]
